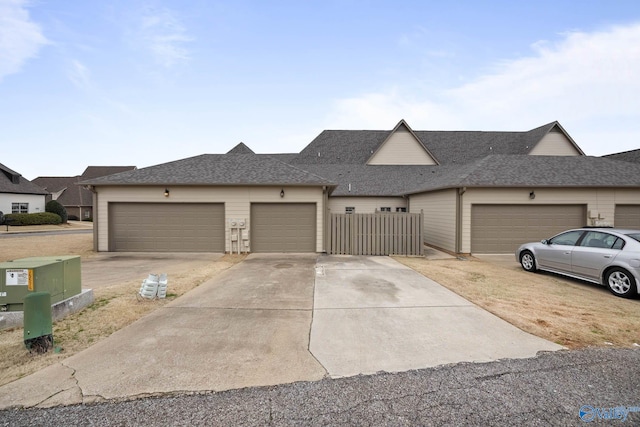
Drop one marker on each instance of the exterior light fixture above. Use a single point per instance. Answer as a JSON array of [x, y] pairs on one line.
[[282, 193], [532, 195], [166, 192]]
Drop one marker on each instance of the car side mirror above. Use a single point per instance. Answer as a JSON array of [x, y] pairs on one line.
[[545, 242]]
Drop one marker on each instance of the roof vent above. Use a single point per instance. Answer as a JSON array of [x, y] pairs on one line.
[[318, 154]]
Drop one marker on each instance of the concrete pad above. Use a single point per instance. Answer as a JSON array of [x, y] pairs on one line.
[[59, 310], [42, 389], [365, 287], [370, 320], [200, 349], [269, 281], [248, 326]]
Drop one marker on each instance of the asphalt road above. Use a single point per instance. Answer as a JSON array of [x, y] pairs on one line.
[[550, 389]]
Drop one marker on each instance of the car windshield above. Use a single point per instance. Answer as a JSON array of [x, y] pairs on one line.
[[635, 236]]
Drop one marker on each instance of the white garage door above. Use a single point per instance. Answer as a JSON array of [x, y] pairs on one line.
[[502, 228], [283, 227], [627, 216], [166, 227]]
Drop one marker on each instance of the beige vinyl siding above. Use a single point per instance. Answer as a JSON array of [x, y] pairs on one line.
[[237, 202], [365, 204], [600, 202], [401, 148], [555, 143], [439, 208]]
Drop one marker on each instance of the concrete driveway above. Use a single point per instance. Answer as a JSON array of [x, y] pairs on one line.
[[276, 319], [374, 314]]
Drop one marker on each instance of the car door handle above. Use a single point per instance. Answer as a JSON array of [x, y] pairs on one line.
[[607, 256]]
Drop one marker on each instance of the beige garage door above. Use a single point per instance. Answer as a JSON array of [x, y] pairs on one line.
[[283, 227], [502, 228], [166, 227], [627, 216]]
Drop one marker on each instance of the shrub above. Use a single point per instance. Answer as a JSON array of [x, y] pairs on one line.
[[88, 219], [73, 218], [39, 218], [55, 207]]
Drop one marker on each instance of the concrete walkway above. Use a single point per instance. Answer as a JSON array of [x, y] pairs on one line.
[[276, 319]]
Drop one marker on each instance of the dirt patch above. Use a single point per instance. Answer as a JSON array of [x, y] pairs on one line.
[[571, 313], [114, 306]]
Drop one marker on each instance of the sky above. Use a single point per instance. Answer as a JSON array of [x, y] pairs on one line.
[[140, 83]]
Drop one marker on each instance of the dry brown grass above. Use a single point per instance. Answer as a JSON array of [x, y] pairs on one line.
[[571, 313], [114, 307]]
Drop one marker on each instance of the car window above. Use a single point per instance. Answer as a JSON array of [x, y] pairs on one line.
[[569, 238], [598, 239], [618, 244], [634, 236]]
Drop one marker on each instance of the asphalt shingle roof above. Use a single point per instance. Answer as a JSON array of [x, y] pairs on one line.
[[72, 193], [216, 169], [448, 147], [535, 171], [241, 148], [20, 186], [97, 171], [632, 156], [338, 159], [378, 180]]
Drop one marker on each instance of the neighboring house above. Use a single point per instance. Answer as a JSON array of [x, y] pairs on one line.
[[77, 200], [480, 192], [19, 195]]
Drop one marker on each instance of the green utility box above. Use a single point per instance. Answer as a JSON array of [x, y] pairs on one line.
[[38, 325], [58, 276]]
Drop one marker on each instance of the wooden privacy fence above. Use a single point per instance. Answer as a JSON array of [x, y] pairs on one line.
[[375, 234]]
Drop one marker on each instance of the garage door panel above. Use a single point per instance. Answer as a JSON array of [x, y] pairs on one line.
[[502, 228], [627, 216], [283, 227], [166, 227]]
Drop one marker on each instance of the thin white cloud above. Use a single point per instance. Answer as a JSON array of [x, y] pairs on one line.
[[583, 76], [384, 110], [165, 36], [587, 81], [79, 75], [20, 37]]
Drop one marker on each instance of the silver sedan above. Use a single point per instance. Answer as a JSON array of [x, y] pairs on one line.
[[608, 256]]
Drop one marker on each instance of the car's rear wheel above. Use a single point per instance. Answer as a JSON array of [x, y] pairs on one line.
[[528, 261], [620, 282]]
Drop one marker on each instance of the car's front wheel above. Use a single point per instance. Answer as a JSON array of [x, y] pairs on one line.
[[620, 282], [528, 261]]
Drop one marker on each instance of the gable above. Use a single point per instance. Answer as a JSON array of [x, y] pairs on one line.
[[402, 147], [555, 143]]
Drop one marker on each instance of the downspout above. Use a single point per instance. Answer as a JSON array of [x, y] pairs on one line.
[[459, 194], [325, 219]]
